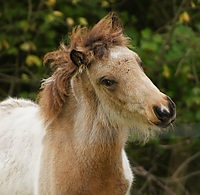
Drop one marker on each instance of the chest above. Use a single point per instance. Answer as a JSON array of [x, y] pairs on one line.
[[74, 177]]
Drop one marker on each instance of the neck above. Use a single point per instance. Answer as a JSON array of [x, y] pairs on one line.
[[88, 130], [93, 127], [81, 145]]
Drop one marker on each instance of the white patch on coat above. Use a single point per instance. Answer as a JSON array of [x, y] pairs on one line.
[[127, 170], [21, 133]]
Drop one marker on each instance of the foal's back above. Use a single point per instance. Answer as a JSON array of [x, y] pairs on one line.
[[21, 135]]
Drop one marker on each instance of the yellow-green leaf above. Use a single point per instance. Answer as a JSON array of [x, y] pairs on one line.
[[50, 2], [50, 18], [70, 21], [57, 13], [25, 77], [184, 17], [83, 21], [75, 1], [27, 46], [105, 3], [23, 24], [33, 60], [166, 71], [192, 4]]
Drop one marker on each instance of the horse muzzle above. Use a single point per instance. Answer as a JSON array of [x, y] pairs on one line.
[[165, 115]]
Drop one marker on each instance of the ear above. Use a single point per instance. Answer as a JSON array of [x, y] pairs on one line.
[[77, 57], [117, 25]]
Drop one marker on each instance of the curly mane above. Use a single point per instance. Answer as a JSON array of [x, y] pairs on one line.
[[95, 44]]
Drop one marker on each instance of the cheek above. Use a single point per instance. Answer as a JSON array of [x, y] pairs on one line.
[[123, 95], [127, 90]]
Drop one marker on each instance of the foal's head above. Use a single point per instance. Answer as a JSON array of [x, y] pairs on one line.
[[98, 67]]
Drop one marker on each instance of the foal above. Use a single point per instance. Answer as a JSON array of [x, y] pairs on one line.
[[73, 141]]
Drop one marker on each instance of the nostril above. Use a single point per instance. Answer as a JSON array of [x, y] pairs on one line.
[[162, 115], [166, 115]]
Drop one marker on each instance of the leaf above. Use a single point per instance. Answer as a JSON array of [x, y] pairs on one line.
[[192, 4], [184, 32], [49, 18], [5, 44], [166, 71], [105, 4], [146, 33], [33, 60], [58, 13], [27, 46], [23, 24], [12, 51], [83, 21], [75, 1], [157, 38], [196, 91], [25, 77], [70, 21], [184, 17], [50, 2], [150, 45]]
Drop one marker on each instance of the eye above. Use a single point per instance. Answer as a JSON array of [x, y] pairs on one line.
[[140, 63], [107, 82]]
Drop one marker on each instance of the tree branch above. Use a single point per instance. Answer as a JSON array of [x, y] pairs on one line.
[[142, 172], [188, 160]]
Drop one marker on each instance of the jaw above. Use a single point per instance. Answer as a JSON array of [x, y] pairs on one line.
[[143, 132], [139, 127], [139, 118]]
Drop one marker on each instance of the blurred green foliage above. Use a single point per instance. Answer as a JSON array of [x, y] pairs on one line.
[[169, 45], [165, 34]]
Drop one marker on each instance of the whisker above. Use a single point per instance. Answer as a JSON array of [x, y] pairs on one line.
[[172, 126]]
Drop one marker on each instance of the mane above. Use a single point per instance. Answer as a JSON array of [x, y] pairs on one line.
[[95, 44]]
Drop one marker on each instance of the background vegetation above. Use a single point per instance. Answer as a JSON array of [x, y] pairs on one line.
[[166, 35]]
